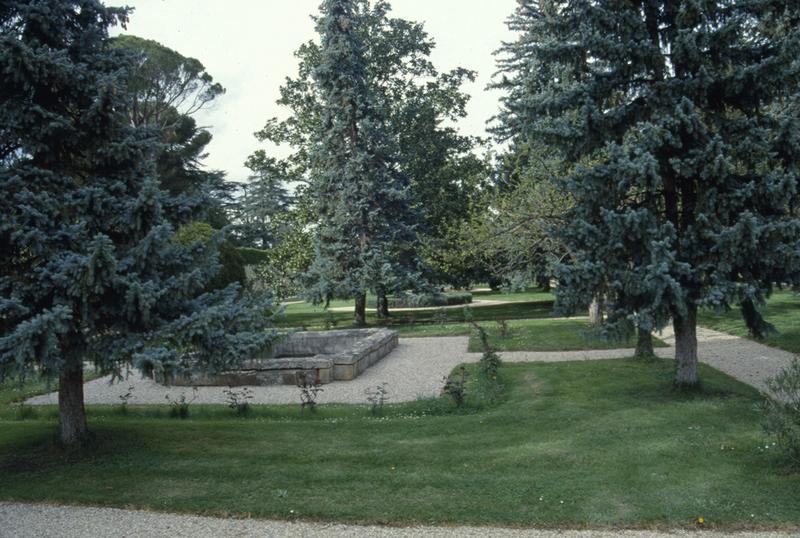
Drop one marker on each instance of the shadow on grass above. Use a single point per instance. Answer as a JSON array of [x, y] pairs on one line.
[[42, 450]]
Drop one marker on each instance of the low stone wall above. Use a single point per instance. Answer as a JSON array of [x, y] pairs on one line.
[[322, 355]]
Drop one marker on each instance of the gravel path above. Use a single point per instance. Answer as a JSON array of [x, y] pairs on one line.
[[414, 369], [417, 366], [40, 521]]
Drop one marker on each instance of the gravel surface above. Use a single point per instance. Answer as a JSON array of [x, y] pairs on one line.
[[416, 369], [40, 521]]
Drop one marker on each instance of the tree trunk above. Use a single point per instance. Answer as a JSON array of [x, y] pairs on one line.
[[361, 309], [644, 345], [382, 304], [595, 312], [71, 412], [686, 348]]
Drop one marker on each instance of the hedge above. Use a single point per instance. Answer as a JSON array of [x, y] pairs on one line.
[[427, 300]]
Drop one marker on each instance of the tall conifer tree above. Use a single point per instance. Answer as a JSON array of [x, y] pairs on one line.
[[90, 268], [680, 118], [365, 231]]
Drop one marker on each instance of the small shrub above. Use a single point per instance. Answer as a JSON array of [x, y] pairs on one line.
[[440, 317], [123, 401], [455, 386], [239, 400], [782, 411], [376, 398], [180, 408], [490, 361], [309, 390]]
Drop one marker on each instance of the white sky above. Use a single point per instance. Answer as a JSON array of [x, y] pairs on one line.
[[248, 46]]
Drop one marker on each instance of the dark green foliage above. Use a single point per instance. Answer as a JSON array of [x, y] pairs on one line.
[[417, 104], [365, 234], [782, 411], [232, 270], [679, 123], [253, 256], [90, 271], [230, 258], [755, 322], [165, 90], [263, 203], [455, 386], [490, 362]]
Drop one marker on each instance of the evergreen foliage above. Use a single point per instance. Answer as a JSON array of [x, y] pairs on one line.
[[416, 103], [90, 270], [231, 259], [365, 233], [165, 90], [680, 120], [262, 203]]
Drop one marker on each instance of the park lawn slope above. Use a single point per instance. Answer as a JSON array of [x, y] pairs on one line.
[[548, 335], [588, 443], [782, 310]]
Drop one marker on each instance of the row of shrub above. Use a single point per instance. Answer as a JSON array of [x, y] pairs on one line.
[[423, 300]]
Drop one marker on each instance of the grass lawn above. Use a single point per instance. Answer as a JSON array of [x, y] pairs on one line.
[[531, 294], [548, 335], [588, 443], [423, 322], [783, 311]]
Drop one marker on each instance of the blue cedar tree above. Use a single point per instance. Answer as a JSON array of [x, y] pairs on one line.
[[90, 270], [681, 120], [365, 232], [416, 101]]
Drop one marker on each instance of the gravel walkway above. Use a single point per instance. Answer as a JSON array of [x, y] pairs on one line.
[[416, 368], [40, 521]]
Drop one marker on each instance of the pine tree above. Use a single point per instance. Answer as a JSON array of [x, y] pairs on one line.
[[680, 118], [262, 202], [365, 232], [91, 270]]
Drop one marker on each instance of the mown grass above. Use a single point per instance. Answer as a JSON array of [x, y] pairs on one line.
[[782, 310], [589, 443], [548, 335]]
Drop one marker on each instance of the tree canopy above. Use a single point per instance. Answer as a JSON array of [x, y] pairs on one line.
[[680, 121], [90, 268], [418, 105]]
